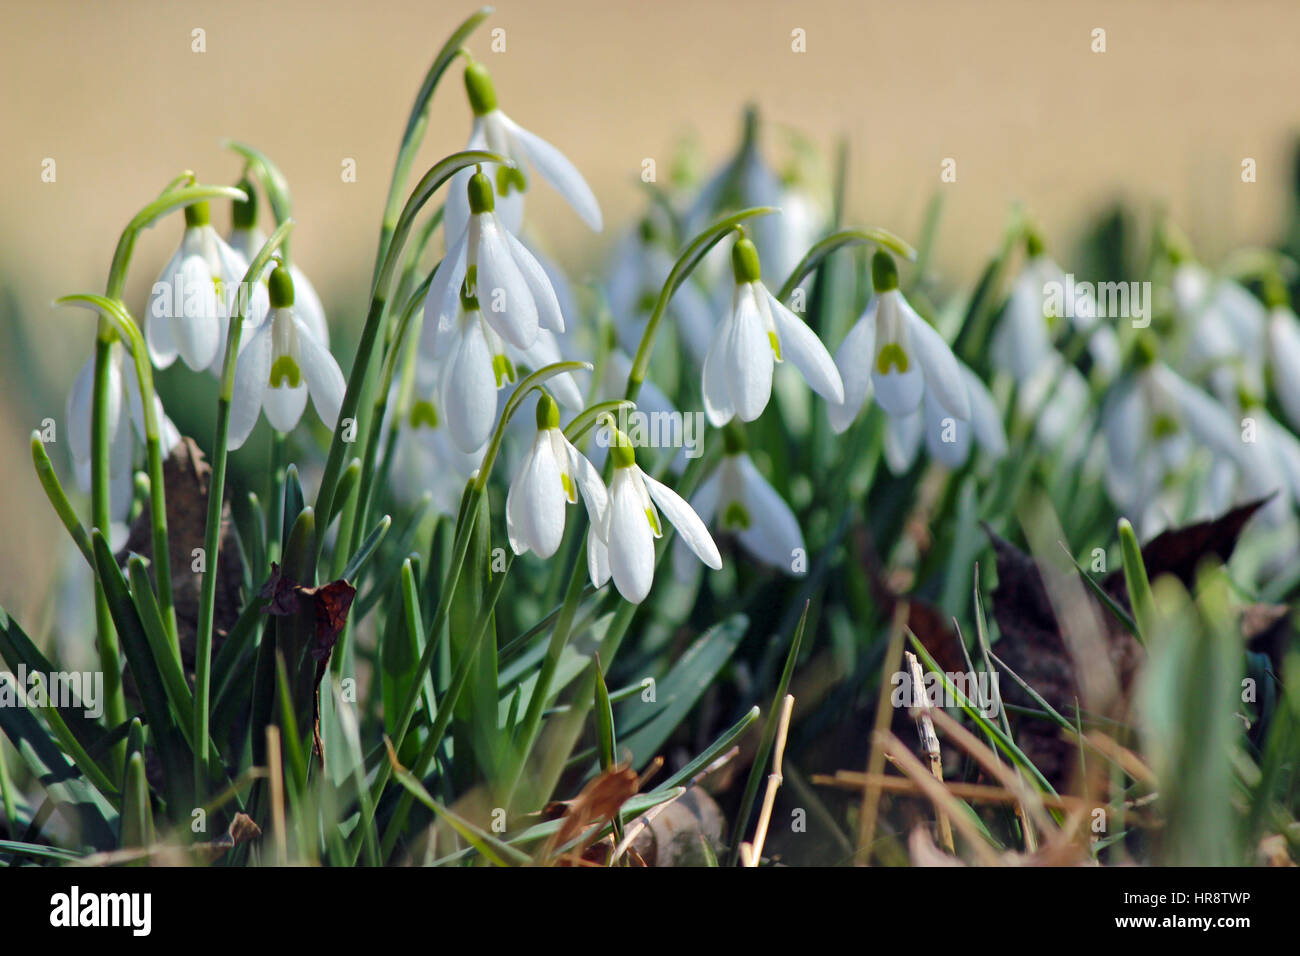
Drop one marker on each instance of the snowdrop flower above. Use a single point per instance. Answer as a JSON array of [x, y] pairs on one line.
[[621, 545], [1153, 420], [1284, 360], [758, 333], [280, 366], [639, 269], [1023, 339], [247, 238], [495, 131], [1270, 458], [738, 500], [501, 272], [896, 353], [474, 362], [124, 404], [551, 476], [190, 302], [947, 439], [425, 459], [1227, 322]]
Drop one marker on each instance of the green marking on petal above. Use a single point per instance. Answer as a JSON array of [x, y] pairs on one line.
[[502, 369], [424, 413], [736, 517], [510, 178], [776, 345], [285, 371], [892, 354], [654, 522], [1164, 426], [567, 482]]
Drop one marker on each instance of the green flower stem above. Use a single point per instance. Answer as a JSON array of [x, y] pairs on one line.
[[588, 417], [846, 237], [273, 183], [460, 547], [117, 319], [180, 193], [216, 494], [110, 657], [691, 256], [416, 124], [434, 178]]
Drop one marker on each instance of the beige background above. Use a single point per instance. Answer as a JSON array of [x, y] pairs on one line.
[[1011, 90]]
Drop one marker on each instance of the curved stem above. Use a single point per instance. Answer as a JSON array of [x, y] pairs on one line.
[[216, 494], [415, 126], [348, 425], [685, 264], [845, 237]]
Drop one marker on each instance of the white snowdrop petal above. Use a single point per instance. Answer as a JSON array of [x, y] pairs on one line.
[[717, 395], [556, 169], [443, 299], [252, 370], [682, 517], [801, 346], [538, 495], [79, 411], [587, 478], [985, 420], [705, 504], [469, 389], [549, 315], [942, 373], [196, 331], [503, 294], [903, 435], [1284, 353], [307, 305], [854, 360], [322, 374], [749, 360], [631, 542], [773, 535], [284, 406], [947, 438], [597, 559]]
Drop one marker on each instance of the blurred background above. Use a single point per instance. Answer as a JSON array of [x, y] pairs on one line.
[[1010, 90]]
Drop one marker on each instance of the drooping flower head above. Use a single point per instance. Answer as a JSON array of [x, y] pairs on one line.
[[124, 414], [191, 300], [622, 543], [247, 238], [897, 354], [516, 293], [495, 131], [758, 333], [947, 439], [737, 500], [282, 364], [552, 475]]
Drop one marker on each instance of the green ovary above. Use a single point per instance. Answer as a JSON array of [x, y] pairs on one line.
[[285, 371], [892, 354]]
